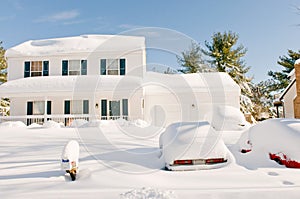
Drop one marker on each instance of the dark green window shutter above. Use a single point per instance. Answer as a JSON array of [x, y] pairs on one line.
[[27, 69], [85, 106], [122, 66], [103, 67], [29, 108], [45, 68], [67, 107], [83, 67], [104, 108], [65, 67], [48, 107]]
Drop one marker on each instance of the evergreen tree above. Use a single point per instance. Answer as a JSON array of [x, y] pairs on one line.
[[3, 65], [4, 103], [192, 61], [280, 79], [226, 58]]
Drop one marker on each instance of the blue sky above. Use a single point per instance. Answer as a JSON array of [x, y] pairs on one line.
[[268, 28]]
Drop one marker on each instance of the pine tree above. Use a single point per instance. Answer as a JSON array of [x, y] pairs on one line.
[[192, 61], [226, 58], [4, 103], [3, 65], [280, 79]]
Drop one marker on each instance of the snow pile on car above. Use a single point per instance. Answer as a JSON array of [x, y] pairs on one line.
[[277, 135], [148, 193], [226, 118], [191, 140]]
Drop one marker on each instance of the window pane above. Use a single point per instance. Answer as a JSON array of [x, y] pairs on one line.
[[112, 64], [64, 67], [36, 66], [38, 108], [74, 72], [113, 72], [74, 65], [85, 106], [83, 67], [114, 108], [35, 74], [125, 107], [122, 66], [103, 66], [77, 107]]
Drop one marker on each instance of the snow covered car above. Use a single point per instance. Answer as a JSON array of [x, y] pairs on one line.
[[278, 139], [192, 146]]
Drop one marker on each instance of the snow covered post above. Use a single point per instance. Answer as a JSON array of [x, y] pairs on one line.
[[297, 99]]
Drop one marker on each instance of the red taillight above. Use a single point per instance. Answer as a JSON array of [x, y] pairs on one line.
[[214, 160], [199, 161], [183, 162]]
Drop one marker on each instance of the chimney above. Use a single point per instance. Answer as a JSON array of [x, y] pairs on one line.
[[297, 98]]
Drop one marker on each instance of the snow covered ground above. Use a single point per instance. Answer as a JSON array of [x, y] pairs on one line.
[[119, 159]]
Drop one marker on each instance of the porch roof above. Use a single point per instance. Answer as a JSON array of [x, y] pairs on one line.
[[67, 85]]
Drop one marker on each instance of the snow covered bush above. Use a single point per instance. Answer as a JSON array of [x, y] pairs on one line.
[[12, 124]]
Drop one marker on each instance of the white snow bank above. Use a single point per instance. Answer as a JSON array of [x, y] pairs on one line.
[[227, 118], [35, 125], [78, 123], [191, 140], [148, 192], [119, 122], [12, 124], [52, 124]]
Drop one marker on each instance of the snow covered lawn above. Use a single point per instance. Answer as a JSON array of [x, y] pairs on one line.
[[122, 160]]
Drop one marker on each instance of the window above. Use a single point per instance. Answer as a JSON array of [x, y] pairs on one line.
[[74, 67], [38, 108], [114, 109], [112, 66], [76, 107], [36, 68]]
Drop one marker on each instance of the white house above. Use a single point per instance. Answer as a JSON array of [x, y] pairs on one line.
[[104, 77], [289, 98]]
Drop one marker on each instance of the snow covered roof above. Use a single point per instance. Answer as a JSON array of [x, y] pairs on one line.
[[67, 85], [76, 44], [198, 82]]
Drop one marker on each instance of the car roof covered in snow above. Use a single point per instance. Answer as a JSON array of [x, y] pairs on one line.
[[76, 44]]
